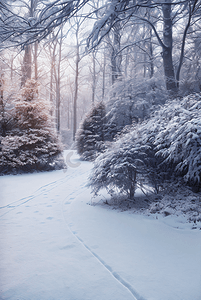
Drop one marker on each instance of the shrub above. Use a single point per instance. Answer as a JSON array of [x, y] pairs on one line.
[[178, 139], [167, 144], [128, 164]]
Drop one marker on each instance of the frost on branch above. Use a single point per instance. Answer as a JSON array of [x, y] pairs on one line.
[[32, 144]]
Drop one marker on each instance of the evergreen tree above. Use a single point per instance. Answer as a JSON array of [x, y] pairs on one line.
[[90, 137], [33, 143]]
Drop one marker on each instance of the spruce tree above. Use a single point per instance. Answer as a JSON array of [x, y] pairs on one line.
[[33, 143], [90, 137]]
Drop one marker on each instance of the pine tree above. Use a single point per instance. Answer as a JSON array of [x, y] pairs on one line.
[[90, 137], [33, 143]]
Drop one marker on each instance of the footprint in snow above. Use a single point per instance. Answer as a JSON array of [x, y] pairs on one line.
[[49, 218], [67, 247]]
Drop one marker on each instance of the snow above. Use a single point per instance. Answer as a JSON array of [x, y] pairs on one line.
[[57, 243]]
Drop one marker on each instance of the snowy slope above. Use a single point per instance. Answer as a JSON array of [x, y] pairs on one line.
[[55, 245]]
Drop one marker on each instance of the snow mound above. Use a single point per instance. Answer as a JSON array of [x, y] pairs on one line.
[[177, 206]]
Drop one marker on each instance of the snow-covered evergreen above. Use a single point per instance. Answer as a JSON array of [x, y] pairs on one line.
[[169, 143], [130, 162], [33, 143], [178, 139], [120, 168], [90, 137]]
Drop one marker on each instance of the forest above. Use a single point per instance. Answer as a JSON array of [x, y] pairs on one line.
[[118, 80]]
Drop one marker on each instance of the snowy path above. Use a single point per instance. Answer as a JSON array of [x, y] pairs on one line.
[[55, 246]]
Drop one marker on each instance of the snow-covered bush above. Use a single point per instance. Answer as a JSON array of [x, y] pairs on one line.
[[33, 143], [127, 164], [169, 143], [90, 137], [178, 139]]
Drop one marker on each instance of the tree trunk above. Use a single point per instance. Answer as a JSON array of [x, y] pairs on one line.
[[169, 71], [167, 50], [94, 77], [132, 192], [2, 107], [116, 58], [144, 55], [132, 178], [183, 44], [51, 86], [11, 68], [58, 86], [1, 89], [76, 86], [104, 67], [26, 66], [52, 72], [151, 56], [36, 60], [68, 112], [58, 104]]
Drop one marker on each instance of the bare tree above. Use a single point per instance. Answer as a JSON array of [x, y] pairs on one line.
[[171, 12], [54, 53], [57, 74], [31, 7], [77, 60], [168, 13]]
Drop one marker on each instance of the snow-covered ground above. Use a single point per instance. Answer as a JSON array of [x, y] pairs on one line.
[[55, 244]]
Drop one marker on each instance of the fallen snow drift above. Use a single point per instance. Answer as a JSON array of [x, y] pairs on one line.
[[54, 244]]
